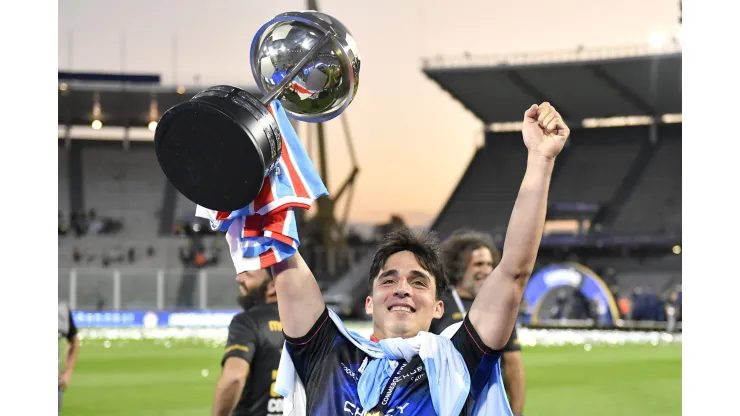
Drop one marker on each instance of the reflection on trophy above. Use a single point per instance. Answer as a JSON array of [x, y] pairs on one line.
[[218, 148]]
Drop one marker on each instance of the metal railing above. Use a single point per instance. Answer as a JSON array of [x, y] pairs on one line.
[[147, 289], [169, 286]]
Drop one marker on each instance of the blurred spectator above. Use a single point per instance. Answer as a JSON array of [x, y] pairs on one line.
[[76, 255], [579, 307], [624, 305], [558, 309], [647, 306], [88, 224], [672, 311], [195, 255], [610, 276], [100, 304], [94, 224], [79, 224], [635, 303]]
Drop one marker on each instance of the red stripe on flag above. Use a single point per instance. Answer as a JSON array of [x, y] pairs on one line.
[[268, 258], [265, 196], [282, 238], [298, 187], [295, 204], [252, 226], [275, 223]]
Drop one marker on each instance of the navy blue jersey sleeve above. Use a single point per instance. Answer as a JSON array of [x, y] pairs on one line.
[[478, 357], [242, 340], [310, 351]]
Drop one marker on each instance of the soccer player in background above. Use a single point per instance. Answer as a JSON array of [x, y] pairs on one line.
[[67, 330], [252, 352], [469, 257]]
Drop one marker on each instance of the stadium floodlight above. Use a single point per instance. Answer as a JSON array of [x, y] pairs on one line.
[[97, 124], [153, 114], [657, 39], [672, 118]]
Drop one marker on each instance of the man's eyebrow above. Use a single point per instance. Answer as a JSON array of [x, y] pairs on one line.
[[417, 274], [390, 272], [420, 274]]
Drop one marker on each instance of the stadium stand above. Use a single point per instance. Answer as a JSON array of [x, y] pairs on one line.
[[655, 202], [619, 177], [126, 184], [483, 203], [597, 162], [64, 203]]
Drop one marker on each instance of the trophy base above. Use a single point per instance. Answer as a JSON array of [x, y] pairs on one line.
[[217, 149]]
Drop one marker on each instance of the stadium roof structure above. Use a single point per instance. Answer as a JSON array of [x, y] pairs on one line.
[[120, 105], [582, 85]]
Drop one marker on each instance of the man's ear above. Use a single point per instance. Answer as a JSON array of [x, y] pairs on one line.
[[270, 290], [439, 309]]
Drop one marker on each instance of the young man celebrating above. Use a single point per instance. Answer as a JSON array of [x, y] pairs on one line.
[[252, 352], [326, 369], [469, 257]]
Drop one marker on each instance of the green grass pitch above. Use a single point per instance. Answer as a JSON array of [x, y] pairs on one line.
[[177, 377]]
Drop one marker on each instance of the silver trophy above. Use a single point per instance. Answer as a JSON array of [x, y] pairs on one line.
[[309, 60], [218, 147]]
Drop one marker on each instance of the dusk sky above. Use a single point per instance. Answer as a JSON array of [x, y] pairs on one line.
[[412, 139]]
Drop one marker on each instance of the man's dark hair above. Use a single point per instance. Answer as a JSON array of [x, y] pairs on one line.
[[424, 246], [457, 248]]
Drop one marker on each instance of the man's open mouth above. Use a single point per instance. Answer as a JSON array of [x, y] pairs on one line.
[[401, 308]]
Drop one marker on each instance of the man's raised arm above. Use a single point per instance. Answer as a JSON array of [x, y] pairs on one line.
[[495, 308], [300, 302]]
